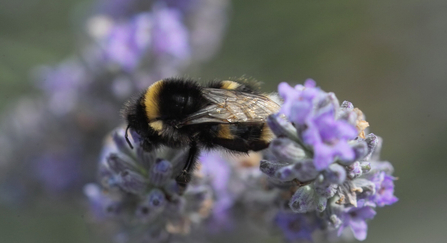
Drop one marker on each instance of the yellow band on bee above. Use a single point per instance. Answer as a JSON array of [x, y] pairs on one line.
[[266, 134], [156, 125], [224, 132], [150, 100], [227, 84]]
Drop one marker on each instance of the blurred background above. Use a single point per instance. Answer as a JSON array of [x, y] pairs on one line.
[[387, 57]]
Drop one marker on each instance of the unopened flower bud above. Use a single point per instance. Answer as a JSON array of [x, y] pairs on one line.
[[366, 167], [270, 168], [132, 182], [346, 105], [336, 221], [325, 189], [321, 203], [335, 174], [153, 205], [303, 170], [354, 170], [281, 127], [287, 151], [160, 172], [156, 199], [371, 141], [360, 148], [118, 164], [303, 200], [364, 188], [145, 159]]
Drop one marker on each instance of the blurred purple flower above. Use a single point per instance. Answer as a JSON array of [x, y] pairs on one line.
[[218, 170], [62, 84], [58, 171], [170, 36], [127, 42], [295, 226]]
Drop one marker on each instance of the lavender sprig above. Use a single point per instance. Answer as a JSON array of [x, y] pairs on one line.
[[321, 153], [138, 192]]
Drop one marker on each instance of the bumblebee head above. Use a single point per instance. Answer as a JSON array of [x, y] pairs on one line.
[[159, 109], [135, 114]]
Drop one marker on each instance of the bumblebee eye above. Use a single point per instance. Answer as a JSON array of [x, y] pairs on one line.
[[127, 138]]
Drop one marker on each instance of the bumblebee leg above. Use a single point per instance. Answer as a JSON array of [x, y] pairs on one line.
[[185, 177]]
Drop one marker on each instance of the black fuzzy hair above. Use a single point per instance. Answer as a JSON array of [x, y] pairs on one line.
[[173, 92], [135, 114]]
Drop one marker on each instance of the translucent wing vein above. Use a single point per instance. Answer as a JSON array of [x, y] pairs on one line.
[[230, 106]]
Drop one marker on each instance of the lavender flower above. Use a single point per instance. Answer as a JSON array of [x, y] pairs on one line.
[[156, 36], [58, 172], [126, 43], [318, 127], [384, 189], [167, 35], [68, 75], [170, 36], [323, 156], [138, 188]]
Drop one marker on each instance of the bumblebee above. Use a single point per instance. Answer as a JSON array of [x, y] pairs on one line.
[[179, 113]]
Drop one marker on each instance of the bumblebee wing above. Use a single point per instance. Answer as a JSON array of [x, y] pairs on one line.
[[231, 106]]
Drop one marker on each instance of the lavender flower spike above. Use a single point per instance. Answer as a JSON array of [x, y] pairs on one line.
[[313, 113], [323, 155], [137, 189]]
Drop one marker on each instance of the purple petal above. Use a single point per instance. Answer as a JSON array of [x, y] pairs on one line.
[[359, 228], [289, 95], [311, 135], [310, 83], [345, 130], [299, 112], [323, 156], [344, 151], [384, 189], [363, 213], [285, 91], [326, 126]]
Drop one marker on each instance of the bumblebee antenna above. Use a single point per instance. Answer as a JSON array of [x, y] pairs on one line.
[[127, 137]]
